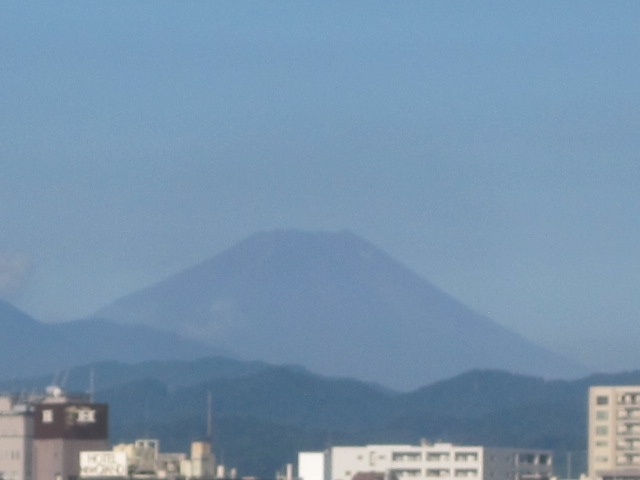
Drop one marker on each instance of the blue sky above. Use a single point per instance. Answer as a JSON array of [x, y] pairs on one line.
[[492, 147]]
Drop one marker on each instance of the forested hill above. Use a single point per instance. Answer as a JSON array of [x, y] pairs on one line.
[[264, 414]]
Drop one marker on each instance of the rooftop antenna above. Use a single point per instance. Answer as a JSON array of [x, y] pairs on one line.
[[63, 382], [91, 384], [209, 417]]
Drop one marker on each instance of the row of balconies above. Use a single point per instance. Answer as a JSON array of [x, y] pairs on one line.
[[628, 412], [434, 457], [633, 430], [629, 444], [628, 459], [533, 459], [436, 472], [629, 399]]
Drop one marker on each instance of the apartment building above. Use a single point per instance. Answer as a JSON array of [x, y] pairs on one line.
[[614, 432], [441, 461], [16, 438]]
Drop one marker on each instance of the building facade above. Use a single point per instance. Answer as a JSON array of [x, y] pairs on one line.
[[313, 465], [614, 432], [441, 461], [64, 426], [16, 438], [144, 460]]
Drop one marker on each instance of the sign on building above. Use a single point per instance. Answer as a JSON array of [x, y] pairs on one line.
[[103, 464]]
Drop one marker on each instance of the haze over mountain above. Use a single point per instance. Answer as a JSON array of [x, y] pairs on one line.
[[335, 304], [29, 347]]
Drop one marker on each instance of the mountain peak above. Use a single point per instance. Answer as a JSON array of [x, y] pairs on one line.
[[336, 304]]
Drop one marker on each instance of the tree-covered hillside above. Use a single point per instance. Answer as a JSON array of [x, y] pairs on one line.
[[264, 415]]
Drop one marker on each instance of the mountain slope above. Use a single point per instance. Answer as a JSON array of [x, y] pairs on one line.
[[29, 347], [26, 345], [335, 304]]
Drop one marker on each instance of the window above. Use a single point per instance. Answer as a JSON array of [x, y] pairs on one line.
[[602, 443], [466, 457], [438, 472], [602, 430], [437, 456], [602, 415], [602, 459], [469, 472], [406, 456], [406, 472], [47, 416], [87, 415], [602, 400], [526, 458]]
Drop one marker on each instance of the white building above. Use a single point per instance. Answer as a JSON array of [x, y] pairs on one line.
[[441, 461], [143, 459], [614, 432], [314, 465], [201, 464]]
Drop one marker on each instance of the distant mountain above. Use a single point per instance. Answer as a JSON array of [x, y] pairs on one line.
[[335, 304], [29, 347], [264, 418], [26, 345]]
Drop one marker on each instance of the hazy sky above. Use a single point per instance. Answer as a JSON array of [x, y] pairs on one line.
[[493, 147]]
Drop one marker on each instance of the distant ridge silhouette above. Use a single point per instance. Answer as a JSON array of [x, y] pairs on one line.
[[30, 347]]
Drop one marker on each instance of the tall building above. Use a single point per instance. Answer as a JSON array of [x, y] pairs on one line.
[[614, 432], [65, 425], [16, 438], [439, 461]]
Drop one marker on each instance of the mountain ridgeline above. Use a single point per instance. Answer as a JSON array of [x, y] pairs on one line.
[[30, 347], [335, 304]]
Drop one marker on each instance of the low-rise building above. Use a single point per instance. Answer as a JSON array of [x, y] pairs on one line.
[[61, 436], [439, 461], [143, 459]]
